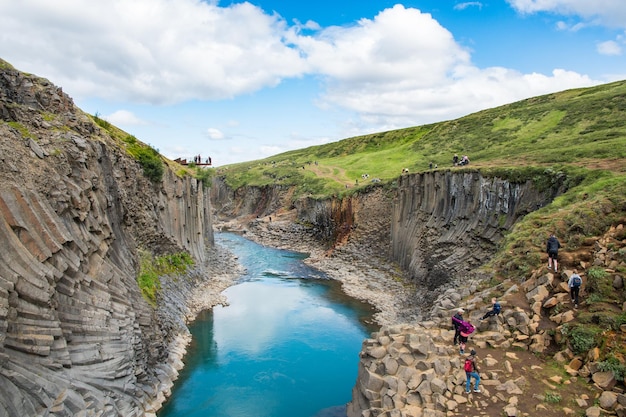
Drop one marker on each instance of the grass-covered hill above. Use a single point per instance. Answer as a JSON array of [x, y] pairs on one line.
[[579, 128]]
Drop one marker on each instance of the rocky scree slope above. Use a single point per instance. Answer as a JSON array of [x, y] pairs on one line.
[[76, 335], [414, 370]]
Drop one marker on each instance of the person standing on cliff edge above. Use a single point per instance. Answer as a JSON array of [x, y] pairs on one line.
[[552, 248]]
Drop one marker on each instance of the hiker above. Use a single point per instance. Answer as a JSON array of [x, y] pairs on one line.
[[465, 329], [457, 323], [455, 160], [471, 371], [574, 283], [495, 309], [552, 248]]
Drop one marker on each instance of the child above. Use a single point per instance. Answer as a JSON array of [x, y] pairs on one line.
[[495, 309]]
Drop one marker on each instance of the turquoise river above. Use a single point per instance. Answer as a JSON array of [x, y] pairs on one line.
[[287, 344]]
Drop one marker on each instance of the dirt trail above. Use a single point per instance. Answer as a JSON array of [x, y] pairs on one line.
[[331, 172]]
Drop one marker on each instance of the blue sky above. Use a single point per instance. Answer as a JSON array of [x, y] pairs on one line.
[[242, 81]]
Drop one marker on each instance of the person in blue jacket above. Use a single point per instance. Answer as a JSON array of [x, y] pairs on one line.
[[495, 309]]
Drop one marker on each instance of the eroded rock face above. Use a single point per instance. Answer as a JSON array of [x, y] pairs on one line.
[[76, 335], [448, 223]]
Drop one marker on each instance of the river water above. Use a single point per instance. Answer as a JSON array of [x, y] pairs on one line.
[[287, 345]]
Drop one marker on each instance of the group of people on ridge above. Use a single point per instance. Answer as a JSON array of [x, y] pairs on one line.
[[464, 160]]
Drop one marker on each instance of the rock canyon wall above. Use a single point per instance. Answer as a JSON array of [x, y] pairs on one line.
[[76, 335], [446, 224], [436, 226]]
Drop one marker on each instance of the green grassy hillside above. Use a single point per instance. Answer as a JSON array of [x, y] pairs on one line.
[[578, 128]]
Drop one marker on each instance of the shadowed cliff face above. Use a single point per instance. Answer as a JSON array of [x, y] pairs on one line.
[[75, 333], [446, 224]]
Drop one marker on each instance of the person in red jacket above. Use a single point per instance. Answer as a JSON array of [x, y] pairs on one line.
[[471, 371]]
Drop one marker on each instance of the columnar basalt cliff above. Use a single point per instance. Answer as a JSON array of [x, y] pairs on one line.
[[436, 226], [446, 224], [76, 335]]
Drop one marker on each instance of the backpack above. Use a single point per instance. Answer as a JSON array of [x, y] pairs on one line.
[[576, 281], [469, 365], [466, 328]]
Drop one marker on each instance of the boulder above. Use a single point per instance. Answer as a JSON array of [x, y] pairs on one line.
[[604, 380], [608, 400]]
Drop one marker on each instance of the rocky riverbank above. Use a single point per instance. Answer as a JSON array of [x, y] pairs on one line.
[[364, 275], [181, 300], [410, 367]]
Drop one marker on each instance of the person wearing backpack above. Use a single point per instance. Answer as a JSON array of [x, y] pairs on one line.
[[456, 322], [574, 283], [465, 329], [471, 371]]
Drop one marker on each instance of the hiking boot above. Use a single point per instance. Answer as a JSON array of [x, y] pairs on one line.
[[476, 390], [467, 392], [575, 305]]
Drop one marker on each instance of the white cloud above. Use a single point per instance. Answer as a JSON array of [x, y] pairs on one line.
[[609, 48], [154, 51], [400, 46], [124, 118], [215, 134], [403, 68], [463, 6], [400, 68], [605, 12]]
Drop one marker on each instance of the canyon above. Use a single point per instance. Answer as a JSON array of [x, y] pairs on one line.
[[77, 337]]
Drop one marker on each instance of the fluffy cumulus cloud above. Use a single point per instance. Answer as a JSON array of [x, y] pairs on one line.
[[399, 68], [154, 51], [403, 68]]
